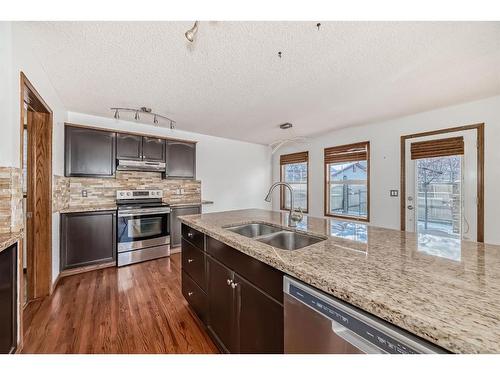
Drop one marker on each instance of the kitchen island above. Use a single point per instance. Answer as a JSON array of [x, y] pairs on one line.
[[443, 290]]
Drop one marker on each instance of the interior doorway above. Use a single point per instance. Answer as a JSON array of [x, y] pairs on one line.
[[36, 161], [442, 185]]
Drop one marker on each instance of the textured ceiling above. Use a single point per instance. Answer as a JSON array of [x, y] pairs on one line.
[[230, 82]]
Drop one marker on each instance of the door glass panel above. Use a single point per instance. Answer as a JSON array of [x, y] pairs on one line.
[[348, 189], [439, 196]]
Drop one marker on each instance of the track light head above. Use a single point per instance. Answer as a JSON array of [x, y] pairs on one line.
[[190, 34], [172, 125], [155, 120], [136, 117], [117, 114]]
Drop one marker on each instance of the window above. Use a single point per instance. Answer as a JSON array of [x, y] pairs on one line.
[[294, 170], [347, 181]]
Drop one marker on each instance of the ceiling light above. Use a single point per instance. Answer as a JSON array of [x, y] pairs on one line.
[[143, 111], [190, 34]]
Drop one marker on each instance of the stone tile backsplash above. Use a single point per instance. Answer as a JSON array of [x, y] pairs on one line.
[[11, 200], [67, 191]]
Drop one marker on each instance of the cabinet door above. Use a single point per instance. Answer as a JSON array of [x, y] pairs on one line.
[[153, 149], [128, 146], [259, 320], [8, 300], [89, 152], [181, 159], [221, 304], [175, 224], [87, 238]]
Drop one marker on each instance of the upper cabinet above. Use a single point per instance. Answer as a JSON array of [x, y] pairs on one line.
[[153, 149], [137, 147], [89, 152], [181, 159], [128, 146]]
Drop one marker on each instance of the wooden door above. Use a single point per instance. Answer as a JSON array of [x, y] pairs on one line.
[[39, 205], [259, 320], [221, 304]]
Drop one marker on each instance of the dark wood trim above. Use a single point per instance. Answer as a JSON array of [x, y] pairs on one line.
[[282, 191], [128, 132], [480, 172], [325, 187], [41, 272]]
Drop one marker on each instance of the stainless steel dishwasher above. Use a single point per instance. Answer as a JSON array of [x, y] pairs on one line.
[[318, 323]]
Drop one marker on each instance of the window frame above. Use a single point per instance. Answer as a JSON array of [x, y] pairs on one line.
[[326, 185], [282, 189]]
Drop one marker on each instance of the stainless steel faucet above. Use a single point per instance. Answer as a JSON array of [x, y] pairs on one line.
[[293, 217]]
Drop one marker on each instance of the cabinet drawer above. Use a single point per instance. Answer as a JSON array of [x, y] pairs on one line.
[[195, 237], [265, 277], [193, 263], [196, 298]]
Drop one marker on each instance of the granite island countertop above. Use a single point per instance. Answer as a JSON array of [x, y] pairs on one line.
[[443, 290]]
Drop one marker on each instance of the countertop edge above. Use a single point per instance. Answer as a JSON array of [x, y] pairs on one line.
[[10, 239]]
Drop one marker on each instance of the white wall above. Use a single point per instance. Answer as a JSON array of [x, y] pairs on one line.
[[384, 140], [15, 57]]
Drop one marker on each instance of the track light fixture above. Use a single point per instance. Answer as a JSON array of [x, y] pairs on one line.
[[142, 111], [191, 33]]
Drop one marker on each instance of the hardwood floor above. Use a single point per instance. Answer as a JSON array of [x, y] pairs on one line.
[[134, 309]]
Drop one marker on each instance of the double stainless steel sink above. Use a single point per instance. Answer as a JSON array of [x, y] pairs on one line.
[[275, 236]]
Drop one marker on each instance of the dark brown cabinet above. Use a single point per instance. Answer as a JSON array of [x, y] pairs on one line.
[[260, 320], [175, 224], [87, 238], [128, 146], [89, 152], [181, 159], [153, 149], [242, 298], [8, 300], [221, 306], [137, 147]]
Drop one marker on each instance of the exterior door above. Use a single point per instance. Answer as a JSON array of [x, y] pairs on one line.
[[441, 192]]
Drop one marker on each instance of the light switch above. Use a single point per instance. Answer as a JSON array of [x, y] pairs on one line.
[[394, 193]]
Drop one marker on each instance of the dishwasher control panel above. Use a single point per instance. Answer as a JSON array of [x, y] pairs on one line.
[[369, 333]]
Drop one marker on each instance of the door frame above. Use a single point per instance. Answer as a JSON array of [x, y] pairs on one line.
[[40, 273], [480, 172]]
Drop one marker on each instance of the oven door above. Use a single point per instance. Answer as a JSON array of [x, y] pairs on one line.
[[138, 231]]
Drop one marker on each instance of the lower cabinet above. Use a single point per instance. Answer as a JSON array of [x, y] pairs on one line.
[[87, 238], [241, 306], [8, 300]]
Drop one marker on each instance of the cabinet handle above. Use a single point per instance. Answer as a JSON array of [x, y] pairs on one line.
[[190, 235], [229, 281], [190, 294], [234, 285], [190, 260]]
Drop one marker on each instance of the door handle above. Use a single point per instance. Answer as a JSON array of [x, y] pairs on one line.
[[190, 260], [229, 281], [190, 235], [355, 340], [190, 294], [234, 285], [410, 207]]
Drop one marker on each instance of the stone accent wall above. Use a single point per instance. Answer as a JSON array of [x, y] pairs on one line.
[[67, 191], [11, 200]]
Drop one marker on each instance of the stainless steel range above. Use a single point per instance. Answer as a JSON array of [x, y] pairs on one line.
[[143, 227]]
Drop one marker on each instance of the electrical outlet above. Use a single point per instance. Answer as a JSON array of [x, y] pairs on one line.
[[394, 193], [84, 193]]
